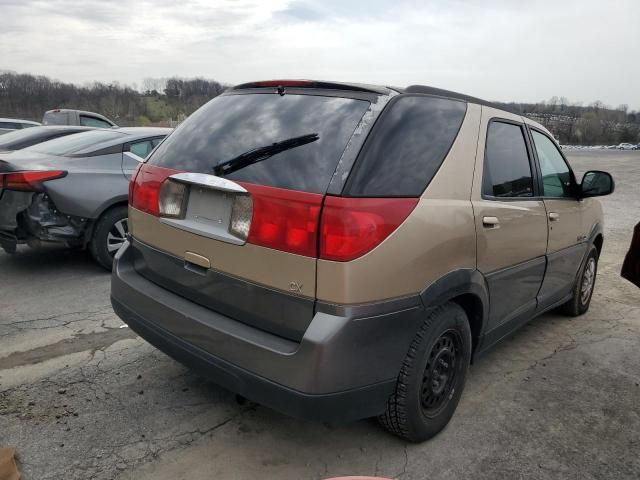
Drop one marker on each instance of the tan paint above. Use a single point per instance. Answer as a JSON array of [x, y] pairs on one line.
[[522, 230], [256, 264], [437, 237]]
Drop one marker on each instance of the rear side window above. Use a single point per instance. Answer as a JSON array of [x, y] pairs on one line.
[[10, 125], [507, 171], [231, 125], [56, 118], [142, 148], [87, 121], [407, 147]]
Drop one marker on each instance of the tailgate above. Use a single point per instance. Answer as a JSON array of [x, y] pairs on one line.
[[266, 276]]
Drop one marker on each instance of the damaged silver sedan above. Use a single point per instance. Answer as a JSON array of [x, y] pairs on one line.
[[73, 190]]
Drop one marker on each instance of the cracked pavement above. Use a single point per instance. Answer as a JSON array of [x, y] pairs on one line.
[[82, 398]]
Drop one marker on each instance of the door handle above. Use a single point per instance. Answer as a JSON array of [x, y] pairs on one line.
[[553, 216], [491, 222]]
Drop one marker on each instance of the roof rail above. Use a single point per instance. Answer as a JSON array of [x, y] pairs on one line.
[[455, 95]]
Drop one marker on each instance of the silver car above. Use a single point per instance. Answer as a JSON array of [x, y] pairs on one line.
[[19, 139], [65, 116], [11, 124], [73, 189]]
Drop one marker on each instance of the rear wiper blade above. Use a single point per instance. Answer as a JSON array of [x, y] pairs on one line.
[[262, 153]]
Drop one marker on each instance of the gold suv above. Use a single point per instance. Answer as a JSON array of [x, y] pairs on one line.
[[341, 251]]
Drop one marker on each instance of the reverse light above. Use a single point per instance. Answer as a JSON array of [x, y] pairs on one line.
[[352, 227], [144, 190], [241, 215], [172, 199], [29, 181]]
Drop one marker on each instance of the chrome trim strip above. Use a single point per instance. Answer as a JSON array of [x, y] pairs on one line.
[[208, 181]]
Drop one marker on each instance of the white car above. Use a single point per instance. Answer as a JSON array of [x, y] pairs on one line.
[[10, 124], [627, 146], [65, 116]]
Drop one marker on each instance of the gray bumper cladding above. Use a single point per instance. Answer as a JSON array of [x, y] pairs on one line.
[[344, 368]]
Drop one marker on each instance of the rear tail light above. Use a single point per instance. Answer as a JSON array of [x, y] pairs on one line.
[[172, 199], [284, 220], [144, 190], [342, 229], [351, 227], [29, 181]]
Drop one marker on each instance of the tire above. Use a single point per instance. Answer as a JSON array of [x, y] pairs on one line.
[[108, 235], [422, 404], [582, 292]]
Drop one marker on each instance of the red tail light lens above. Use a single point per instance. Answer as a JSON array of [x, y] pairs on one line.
[[144, 189], [284, 220], [352, 227], [30, 181]]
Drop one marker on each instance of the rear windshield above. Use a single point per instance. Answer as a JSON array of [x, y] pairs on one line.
[[230, 125], [26, 137], [71, 144]]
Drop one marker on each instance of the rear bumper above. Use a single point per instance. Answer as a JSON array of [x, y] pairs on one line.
[[344, 368]]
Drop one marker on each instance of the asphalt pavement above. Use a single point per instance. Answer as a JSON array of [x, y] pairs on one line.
[[83, 398]]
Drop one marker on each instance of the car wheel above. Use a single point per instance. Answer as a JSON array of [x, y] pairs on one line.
[[109, 235], [432, 377], [583, 289]]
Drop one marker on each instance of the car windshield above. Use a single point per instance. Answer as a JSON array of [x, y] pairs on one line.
[[75, 143]]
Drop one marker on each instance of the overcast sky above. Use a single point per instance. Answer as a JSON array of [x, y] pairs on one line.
[[521, 50]]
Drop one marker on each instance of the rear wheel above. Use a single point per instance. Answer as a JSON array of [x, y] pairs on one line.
[[583, 289], [109, 235], [432, 376]]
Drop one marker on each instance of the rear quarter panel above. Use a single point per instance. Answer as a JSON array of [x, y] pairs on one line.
[[438, 236], [91, 186]]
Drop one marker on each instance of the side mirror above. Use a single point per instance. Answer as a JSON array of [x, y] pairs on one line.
[[596, 183], [133, 157]]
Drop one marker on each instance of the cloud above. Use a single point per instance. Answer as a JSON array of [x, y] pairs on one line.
[[496, 49]]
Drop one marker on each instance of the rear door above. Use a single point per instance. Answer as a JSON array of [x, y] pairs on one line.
[[511, 221], [567, 241], [269, 280]]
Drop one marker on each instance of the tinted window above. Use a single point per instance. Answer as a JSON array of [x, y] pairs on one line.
[[56, 118], [93, 122], [556, 175], [28, 125], [78, 142], [507, 172], [230, 125], [10, 125], [407, 147], [24, 138]]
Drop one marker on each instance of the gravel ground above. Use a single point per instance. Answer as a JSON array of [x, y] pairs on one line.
[[82, 398]]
